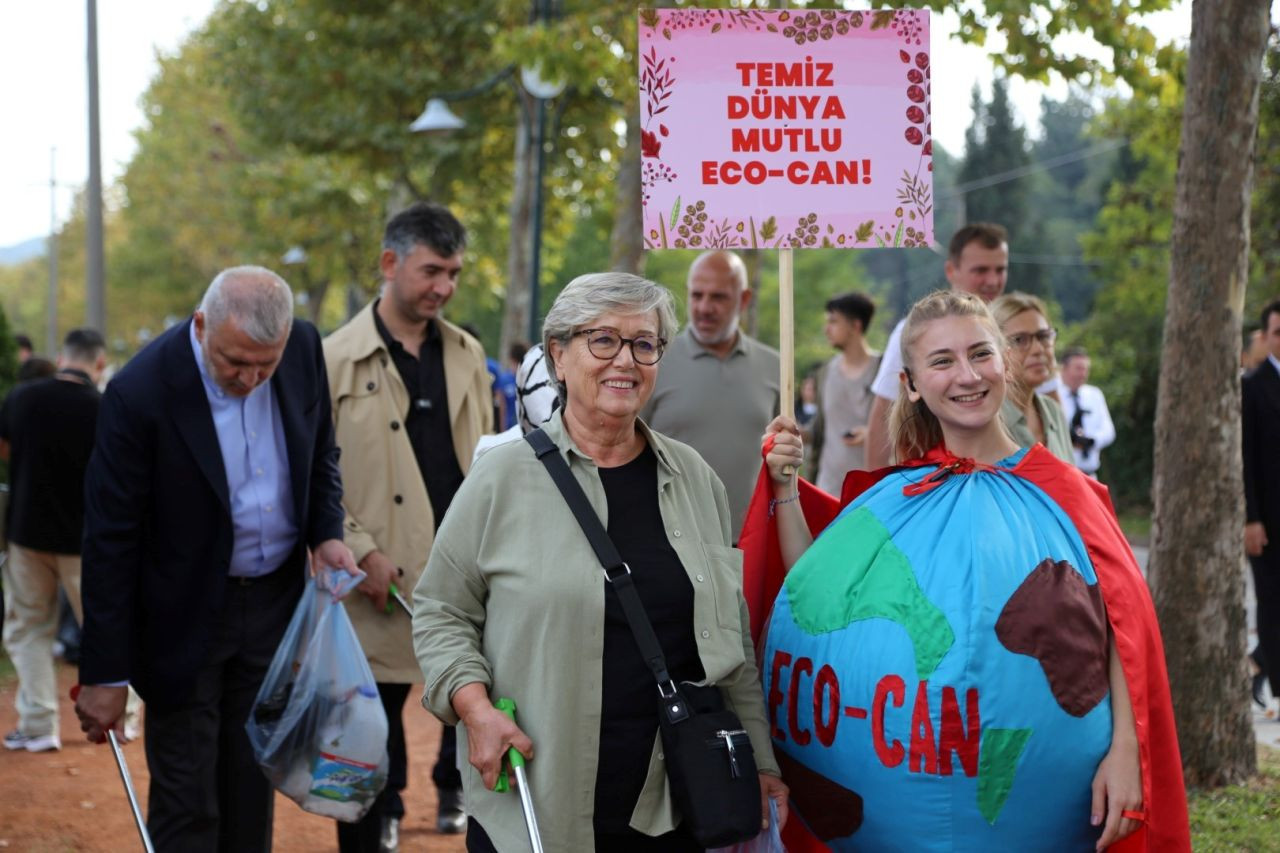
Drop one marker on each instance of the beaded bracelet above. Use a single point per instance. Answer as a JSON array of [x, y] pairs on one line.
[[775, 503]]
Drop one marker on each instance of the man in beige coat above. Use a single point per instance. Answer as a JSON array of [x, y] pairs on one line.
[[411, 399]]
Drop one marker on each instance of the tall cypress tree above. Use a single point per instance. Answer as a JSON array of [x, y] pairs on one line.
[[995, 144]]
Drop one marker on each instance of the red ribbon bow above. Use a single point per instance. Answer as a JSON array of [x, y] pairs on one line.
[[948, 463]]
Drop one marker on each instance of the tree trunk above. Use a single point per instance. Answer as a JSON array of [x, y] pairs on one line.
[[515, 319], [1197, 531], [316, 292], [626, 243]]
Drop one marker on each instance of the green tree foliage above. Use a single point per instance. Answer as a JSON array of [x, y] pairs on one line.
[[1130, 244], [284, 122], [1130, 247], [326, 77], [8, 355], [203, 194], [1067, 198], [994, 145], [901, 276], [1264, 283], [22, 296]]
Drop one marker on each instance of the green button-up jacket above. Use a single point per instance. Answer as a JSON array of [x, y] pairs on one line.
[[513, 598]]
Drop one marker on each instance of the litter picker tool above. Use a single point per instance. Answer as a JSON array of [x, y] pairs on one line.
[[128, 782], [508, 707], [394, 594]]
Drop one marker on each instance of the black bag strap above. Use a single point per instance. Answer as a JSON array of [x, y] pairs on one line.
[[616, 571]]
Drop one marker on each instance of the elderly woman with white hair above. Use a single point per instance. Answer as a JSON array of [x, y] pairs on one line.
[[513, 602]]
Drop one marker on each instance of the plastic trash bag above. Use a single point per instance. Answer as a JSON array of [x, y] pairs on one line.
[[317, 727], [768, 841]]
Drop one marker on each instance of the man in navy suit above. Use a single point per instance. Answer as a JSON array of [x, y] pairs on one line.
[[214, 472], [1260, 426]]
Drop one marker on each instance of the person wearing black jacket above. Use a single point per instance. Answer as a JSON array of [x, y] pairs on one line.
[[1260, 397], [214, 473], [46, 434]]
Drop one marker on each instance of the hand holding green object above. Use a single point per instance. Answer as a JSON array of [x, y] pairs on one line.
[[508, 707], [394, 597]]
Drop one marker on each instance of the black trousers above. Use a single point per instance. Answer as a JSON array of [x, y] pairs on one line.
[[364, 836], [207, 792], [1266, 586], [445, 773]]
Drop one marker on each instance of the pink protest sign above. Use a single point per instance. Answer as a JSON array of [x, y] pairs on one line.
[[802, 129]]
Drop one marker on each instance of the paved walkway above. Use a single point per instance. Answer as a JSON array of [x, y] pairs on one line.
[[1266, 728]]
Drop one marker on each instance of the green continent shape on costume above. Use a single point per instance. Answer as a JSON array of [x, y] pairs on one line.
[[854, 572], [1001, 749]]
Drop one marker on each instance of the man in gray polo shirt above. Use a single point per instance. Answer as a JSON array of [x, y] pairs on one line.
[[717, 388]]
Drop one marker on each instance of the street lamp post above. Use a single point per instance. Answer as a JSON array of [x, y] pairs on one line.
[[437, 118], [51, 327], [96, 303], [543, 91]]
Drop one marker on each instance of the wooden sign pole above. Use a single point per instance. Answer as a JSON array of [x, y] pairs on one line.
[[786, 333]]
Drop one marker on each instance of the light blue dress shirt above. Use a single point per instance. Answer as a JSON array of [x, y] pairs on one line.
[[256, 460]]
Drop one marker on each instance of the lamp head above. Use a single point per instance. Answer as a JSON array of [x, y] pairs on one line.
[[436, 118]]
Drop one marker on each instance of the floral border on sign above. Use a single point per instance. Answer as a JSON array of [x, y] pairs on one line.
[[799, 26], [656, 85]]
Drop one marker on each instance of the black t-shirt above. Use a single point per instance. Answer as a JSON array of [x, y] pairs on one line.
[[49, 425], [629, 693], [427, 423]]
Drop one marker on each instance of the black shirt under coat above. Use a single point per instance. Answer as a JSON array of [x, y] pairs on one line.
[[427, 422], [629, 693]]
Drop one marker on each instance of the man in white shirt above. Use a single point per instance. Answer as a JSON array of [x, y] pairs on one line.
[[1085, 409], [977, 263]]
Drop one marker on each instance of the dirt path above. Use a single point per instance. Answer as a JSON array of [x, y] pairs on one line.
[[73, 799]]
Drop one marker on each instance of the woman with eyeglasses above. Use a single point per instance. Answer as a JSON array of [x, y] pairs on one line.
[[513, 602], [1030, 416]]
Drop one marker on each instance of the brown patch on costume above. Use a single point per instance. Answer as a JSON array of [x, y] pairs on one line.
[[1058, 619], [829, 810]]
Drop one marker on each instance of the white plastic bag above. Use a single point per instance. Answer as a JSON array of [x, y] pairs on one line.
[[768, 841], [317, 728]]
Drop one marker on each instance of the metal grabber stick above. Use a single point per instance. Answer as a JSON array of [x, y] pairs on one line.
[[128, 782], [393, 595], [508, 707]]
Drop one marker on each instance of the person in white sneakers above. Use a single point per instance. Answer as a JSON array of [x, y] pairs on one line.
[[46, 434]]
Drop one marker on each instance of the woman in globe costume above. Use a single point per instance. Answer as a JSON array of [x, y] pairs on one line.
[[966, 658], [513, 602]]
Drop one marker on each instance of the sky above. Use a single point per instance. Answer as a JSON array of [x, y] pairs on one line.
[[44, 98]]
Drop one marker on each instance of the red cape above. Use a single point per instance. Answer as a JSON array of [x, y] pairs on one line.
[[1129, 609]]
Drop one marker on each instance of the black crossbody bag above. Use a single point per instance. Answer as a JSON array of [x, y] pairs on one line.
[[710, 764]]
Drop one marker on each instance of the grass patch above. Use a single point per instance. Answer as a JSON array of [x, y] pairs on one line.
[[1239, 818], [6, 669], [1136, 524]]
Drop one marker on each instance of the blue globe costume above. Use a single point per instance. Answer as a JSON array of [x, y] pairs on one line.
[[935, 664]]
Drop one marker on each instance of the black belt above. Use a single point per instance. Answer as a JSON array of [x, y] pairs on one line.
[[250, 580]]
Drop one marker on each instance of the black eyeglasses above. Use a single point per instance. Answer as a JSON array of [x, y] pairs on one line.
[[604, 344], [1023, 340]]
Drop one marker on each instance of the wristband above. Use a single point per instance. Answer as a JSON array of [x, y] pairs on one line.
[[776, 503]]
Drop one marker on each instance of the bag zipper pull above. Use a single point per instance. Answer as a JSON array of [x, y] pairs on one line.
[[734, 770]]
